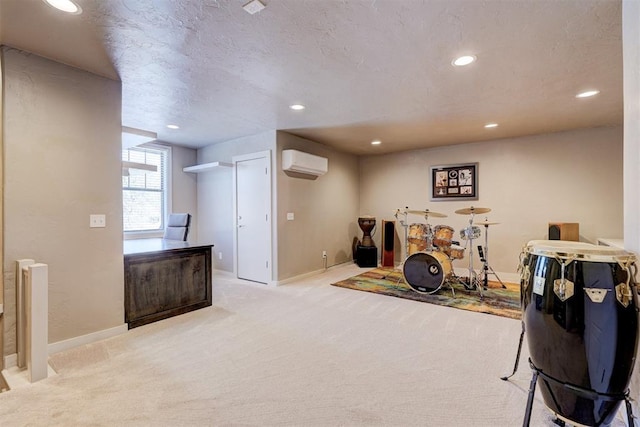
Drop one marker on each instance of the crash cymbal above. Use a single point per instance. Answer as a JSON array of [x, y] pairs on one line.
[[427, 212], [486, 223], [473, 210]]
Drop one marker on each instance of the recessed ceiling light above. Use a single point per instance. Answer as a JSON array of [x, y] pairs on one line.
[[491, 125], [463, 60], [65, 6], [173, 126], [297, 107], [254, 6], [587, 93], [376, 142]]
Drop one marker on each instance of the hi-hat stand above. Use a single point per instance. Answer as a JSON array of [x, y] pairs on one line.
[[484, 256], [468, 234]]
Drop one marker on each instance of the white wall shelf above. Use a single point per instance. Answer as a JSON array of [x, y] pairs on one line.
[[206, 167]]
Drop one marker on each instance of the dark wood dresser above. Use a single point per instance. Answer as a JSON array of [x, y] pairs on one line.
[[164, 278]]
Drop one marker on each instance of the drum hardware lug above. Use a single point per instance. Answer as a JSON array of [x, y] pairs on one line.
[[563, 289], [624, 294], [596, 295], [525, 275]]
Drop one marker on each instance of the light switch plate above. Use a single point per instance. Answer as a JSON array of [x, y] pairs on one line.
[[97, 221]]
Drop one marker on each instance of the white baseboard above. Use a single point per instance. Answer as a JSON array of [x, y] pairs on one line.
[[11, 360], [309, 274], [223, 273], [294, 278], [59, 346]]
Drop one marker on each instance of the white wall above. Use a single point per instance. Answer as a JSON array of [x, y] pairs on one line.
[[527, 182], [62, 132], [325, 210], [631, 57]]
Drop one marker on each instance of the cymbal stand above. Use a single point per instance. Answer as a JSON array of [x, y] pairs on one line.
[[405, 225], [473, 280], [484, 257], [429, 247]]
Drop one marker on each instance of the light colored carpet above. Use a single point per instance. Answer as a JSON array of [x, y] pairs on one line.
[[301, 354]]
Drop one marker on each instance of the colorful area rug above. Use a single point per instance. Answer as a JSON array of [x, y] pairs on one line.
[[387, 281]]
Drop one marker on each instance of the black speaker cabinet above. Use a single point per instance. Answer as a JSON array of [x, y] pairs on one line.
[[388, 237], [564, 231], [367, 256]]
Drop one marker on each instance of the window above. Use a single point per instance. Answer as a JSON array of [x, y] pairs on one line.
[[144, 192]]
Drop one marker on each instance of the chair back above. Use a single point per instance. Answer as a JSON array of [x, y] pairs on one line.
[[177, 226]]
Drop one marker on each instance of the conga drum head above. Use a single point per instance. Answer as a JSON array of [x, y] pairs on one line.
[[581, 321], [426, 272]]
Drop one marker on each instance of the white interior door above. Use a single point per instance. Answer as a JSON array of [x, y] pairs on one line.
[[253, 217]]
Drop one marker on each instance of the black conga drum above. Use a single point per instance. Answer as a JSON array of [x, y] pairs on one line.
[[580, 316]]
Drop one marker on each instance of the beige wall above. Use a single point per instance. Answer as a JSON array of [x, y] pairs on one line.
[[215, 195], [527, 182], [183, 187], [631, 55], [325, 210], [327, 203], [2, 323], [62, 135]]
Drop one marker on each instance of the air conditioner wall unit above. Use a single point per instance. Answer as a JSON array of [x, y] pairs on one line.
[[298, 161]]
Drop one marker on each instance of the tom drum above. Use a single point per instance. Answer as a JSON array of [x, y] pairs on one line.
[[426, 272], [456, 252], [442, 236], [580, 316], [417, 238], [470, 232]]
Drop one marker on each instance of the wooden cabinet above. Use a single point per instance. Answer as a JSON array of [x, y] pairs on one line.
[[172, 278]]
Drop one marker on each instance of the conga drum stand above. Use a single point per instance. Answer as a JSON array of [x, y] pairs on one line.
[[580, 391]]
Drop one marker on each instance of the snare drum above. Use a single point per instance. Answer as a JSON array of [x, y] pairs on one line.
[[442, 236], [417, 238], [579, 311], [426, 272], [471, 232]]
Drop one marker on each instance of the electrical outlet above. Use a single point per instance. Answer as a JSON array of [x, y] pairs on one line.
[[97, 221], [324, 254], [219, 255]]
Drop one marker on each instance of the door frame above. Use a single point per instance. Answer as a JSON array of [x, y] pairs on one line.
[[269, 223]]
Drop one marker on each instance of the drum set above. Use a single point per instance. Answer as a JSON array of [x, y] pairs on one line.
[[431, 250]]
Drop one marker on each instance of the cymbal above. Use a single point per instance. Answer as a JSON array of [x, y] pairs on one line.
[[427, 212], [486, 223], [472, 210]]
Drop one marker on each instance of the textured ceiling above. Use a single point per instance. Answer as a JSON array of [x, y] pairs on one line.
[[375, 69]]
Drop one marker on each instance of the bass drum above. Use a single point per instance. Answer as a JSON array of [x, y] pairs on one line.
[[426, 272], [580, 316]]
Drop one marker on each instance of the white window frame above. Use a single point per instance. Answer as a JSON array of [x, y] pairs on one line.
[[128, 235]]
